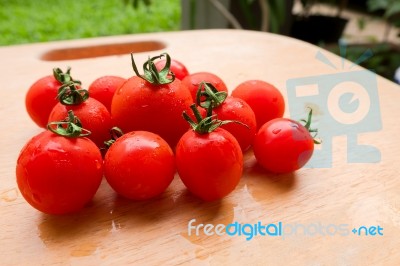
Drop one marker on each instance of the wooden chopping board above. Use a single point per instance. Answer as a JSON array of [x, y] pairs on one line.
[[316, 206]]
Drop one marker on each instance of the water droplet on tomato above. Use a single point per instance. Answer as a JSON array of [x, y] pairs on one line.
[[276, 130], [98, 164]]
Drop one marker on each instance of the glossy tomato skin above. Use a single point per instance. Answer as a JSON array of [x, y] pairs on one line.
[[238, 110], [283, 145], [140, 105], [59, 175], [103, 89], [139, 165], [178, 68], [210, 165], [193, 81], [93, 115], [41, 98], [265, 99]]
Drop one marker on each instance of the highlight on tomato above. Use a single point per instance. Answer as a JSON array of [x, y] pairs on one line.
[[229, 108], [283, 145], [59, 170], [152, 102], [264, 98], [93, 114], [139, 165], [209, 160], [42, 95]]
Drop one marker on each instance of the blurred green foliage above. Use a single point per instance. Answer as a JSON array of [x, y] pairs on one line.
[[390, 8], [27, 21]]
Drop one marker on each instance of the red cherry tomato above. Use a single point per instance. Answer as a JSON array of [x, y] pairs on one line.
[[148, 105], [266, 101], [176, 67], [210, 165], [229, 108], [94, 117], [139, 165], [283, 145], [238, 110], [59, 175], [193, 81], [42, 96], [103, 88]]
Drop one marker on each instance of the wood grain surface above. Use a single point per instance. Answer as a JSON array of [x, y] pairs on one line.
[[115, 231]]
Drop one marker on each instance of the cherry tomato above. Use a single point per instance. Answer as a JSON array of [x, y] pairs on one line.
[[42, 96], [283, 145], [59, 175], [93, 115], [209, 160], [209, 165], [238, 110], [193, 81], [266, 101], [103, 88], [139, 165], [229, 108], [154, 105], [180, 71]]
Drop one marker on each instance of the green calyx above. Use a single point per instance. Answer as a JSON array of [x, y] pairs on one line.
[[62, 77], [151, 74], [205, 125], [70, 93], [307, 125], [70, 127], [115, 133], [210, 97]]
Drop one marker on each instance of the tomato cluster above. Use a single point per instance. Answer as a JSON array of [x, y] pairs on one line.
[[138, 132]]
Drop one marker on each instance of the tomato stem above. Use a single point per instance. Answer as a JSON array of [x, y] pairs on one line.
[[62, 77], [115, 133], [70, 94], [307, 125], [207, 124], [70, 127], [212, 98], [151, 74]]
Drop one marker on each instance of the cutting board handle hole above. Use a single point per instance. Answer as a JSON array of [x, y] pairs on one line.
[[74, 53]]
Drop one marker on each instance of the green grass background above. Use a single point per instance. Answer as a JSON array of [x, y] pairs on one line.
[[27, 21]]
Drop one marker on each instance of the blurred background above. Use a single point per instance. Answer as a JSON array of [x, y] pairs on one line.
[[359, 24]]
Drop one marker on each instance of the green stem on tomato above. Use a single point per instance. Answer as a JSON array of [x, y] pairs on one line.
[[70, 127], [115, 133], [151, 74], [62, 77], [70, 94], [207, 124], [307, 125], [210, 97]]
